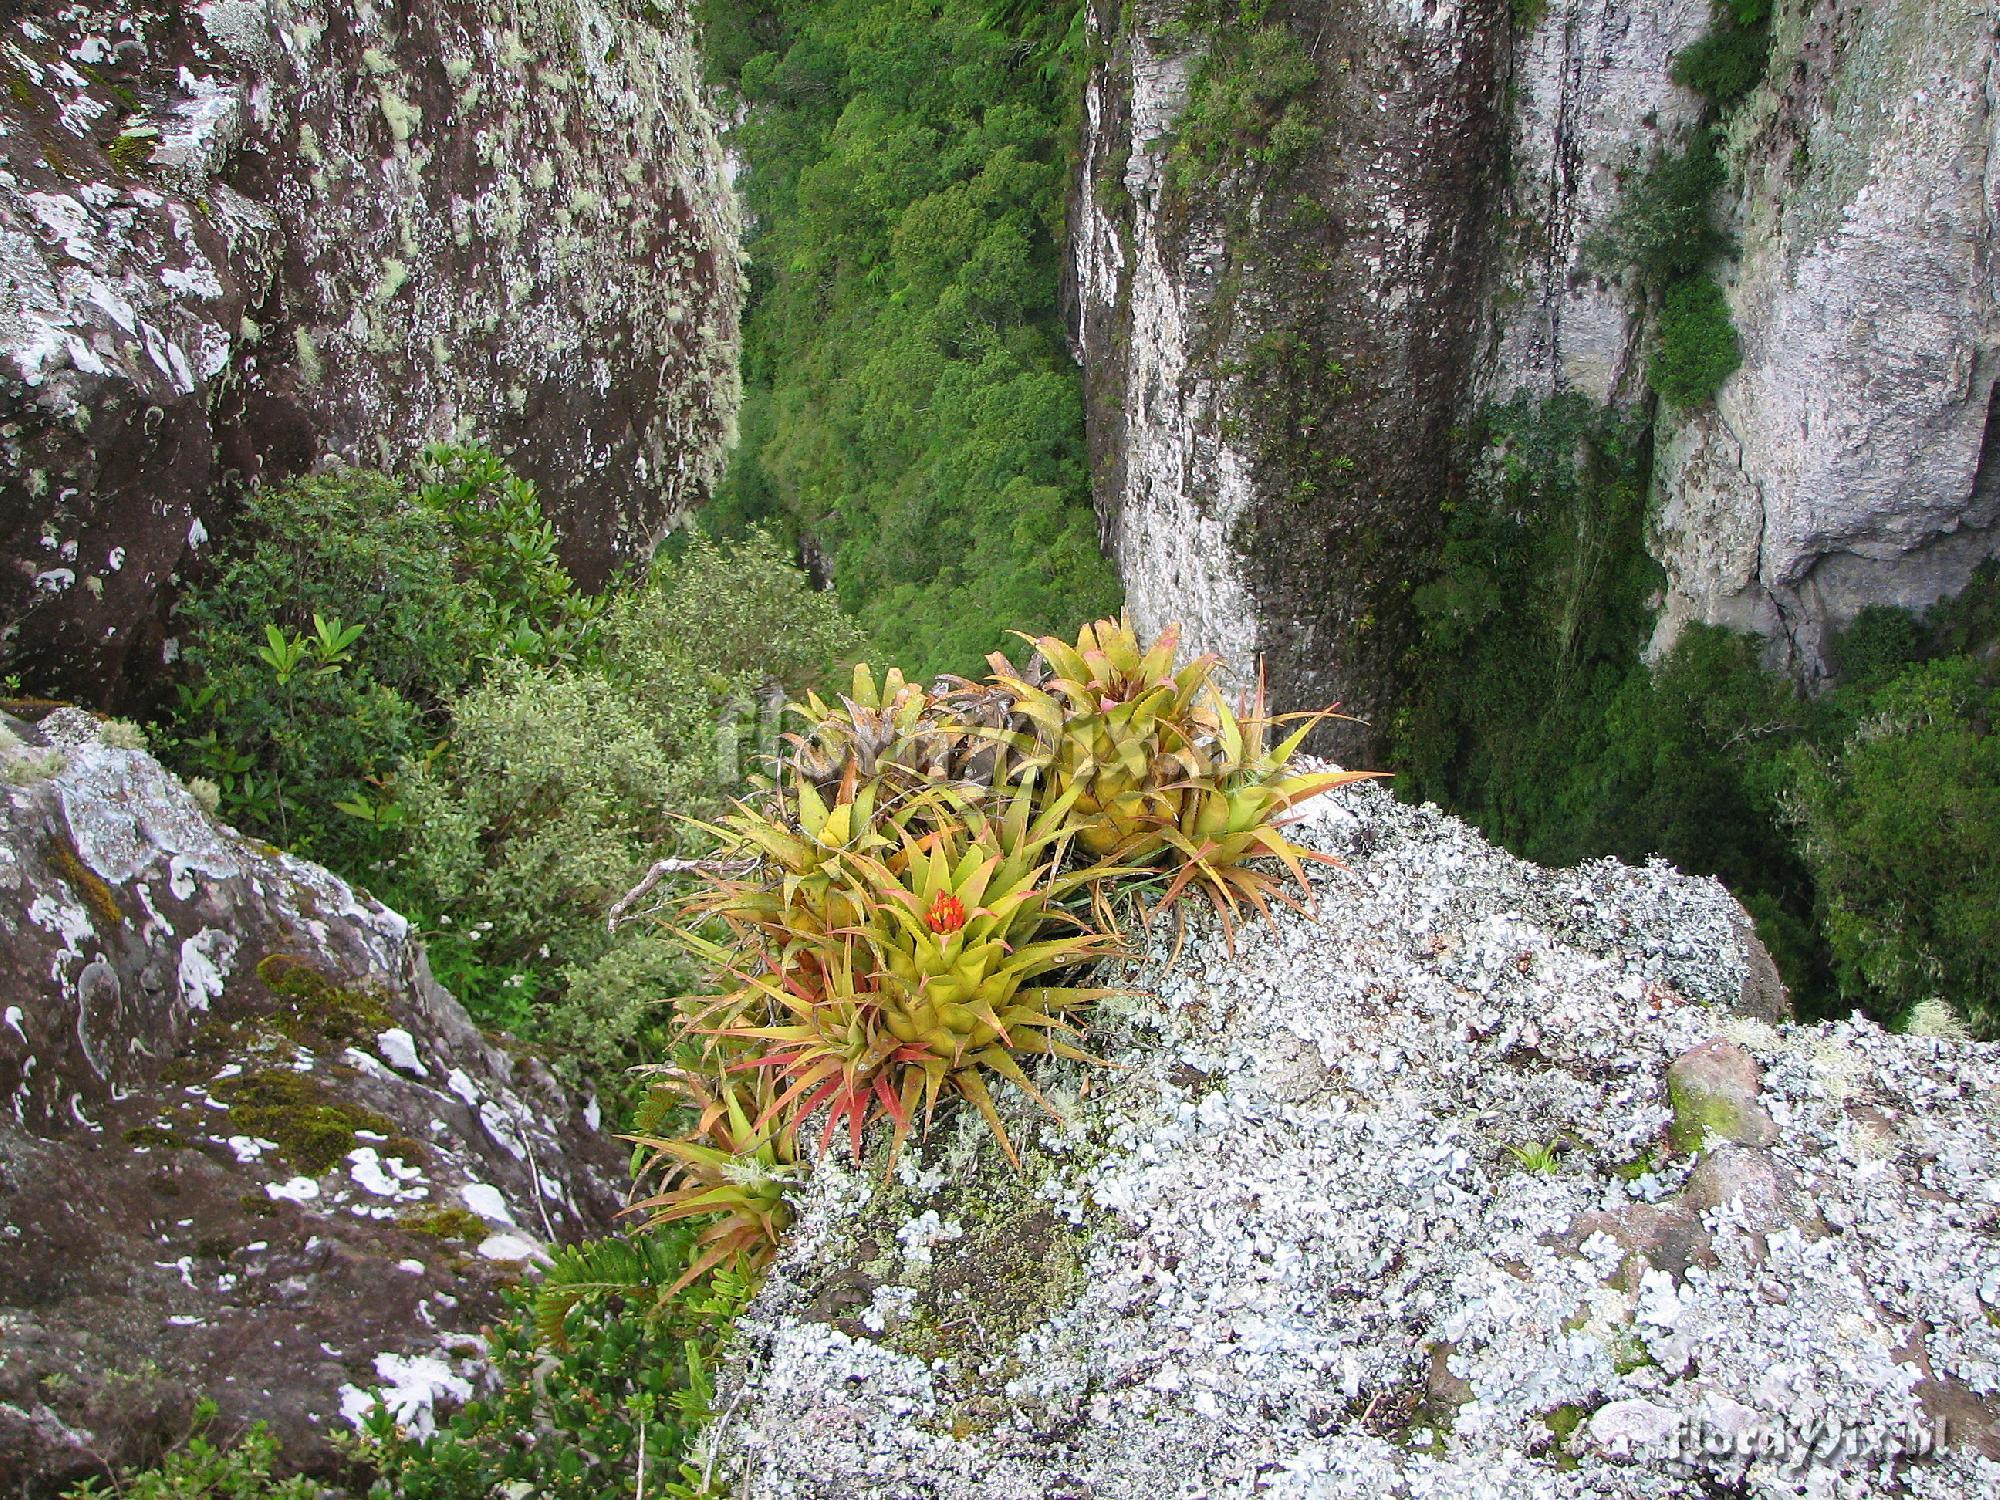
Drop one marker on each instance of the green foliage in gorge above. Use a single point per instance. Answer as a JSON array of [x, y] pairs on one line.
[[1697, 346], [1853, 826], [911, 409], [1896, 806], [1665, 225]]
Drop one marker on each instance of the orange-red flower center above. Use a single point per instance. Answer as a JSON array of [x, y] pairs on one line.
[[947, 914]]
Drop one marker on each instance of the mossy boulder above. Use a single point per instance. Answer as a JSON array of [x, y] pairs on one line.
[[250, 1149]]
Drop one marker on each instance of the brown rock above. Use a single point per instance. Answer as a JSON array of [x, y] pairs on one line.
[[1714, 1091], [248, 1147]]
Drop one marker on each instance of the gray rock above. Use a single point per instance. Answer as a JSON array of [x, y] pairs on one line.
[[235, 237], [1855, 458], [1229, 1275], [249, 1149], [1274, 361], [1281, 369]]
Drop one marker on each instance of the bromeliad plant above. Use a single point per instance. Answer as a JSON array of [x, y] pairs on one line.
[[939, 981], [908, 912], [731, 1169]]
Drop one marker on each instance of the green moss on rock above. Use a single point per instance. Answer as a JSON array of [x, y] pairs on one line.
[[313, 1129], [440, 1223], [322, 1013]]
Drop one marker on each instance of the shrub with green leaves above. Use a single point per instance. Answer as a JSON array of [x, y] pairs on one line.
[[1898, 822], [556, 787], [1697, 346], [602, 1383], [322, 647], [1665, 225], [202, 1469], [1730, 60]]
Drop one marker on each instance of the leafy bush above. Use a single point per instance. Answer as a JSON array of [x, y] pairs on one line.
[[324, 646], [603, 1382], [1248, 103], [1897, 821], [1665, 226], [200, 1469], [1698, 348], [557, 786], [1730, 60]]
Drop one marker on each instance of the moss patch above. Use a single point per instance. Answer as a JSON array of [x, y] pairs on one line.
[[87, 883], [313, 1129], [155, 1135], [1562, 1424], [321, 1013], [443, 1223]]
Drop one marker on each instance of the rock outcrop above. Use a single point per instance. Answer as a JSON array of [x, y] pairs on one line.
[[1485, 1180], [1282, 365], [248, 1148], [1275, 360], [1855, 458], [242, 235]]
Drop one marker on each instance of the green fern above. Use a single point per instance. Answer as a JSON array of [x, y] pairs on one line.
[[640, 1269]]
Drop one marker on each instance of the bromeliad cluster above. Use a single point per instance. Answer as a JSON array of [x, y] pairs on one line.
[[909, 911]]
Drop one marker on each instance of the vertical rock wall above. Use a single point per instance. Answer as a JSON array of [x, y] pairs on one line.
[[1276, 358], [1282, 368], [1855, 458], [240, 235]]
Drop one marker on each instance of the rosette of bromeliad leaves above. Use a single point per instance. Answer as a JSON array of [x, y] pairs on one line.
[[1168, 777], [881, 964], [900, 919]]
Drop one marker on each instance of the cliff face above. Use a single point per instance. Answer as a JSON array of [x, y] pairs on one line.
[[1855, 458], [1275, 357], [1283, 365], [237, 237]]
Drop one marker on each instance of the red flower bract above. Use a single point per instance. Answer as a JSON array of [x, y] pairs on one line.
[[947, 914]]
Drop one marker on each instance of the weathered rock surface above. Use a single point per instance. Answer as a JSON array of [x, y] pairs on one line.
[[1593, 106], [1274, 360], [248, 1148], [1281, 367], [1387, 1204], [1855, 458], [238, 235]]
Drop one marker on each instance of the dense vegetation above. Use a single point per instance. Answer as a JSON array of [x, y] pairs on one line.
[[912, 414], [397, 678], [1851, 824]]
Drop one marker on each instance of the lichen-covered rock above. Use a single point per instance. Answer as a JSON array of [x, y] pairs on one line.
[[248, 1148], [1855, 457], [1387, 1203], [241, 234]]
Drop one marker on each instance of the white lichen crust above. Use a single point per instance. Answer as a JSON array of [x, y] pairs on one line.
[[1308, 1264]]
